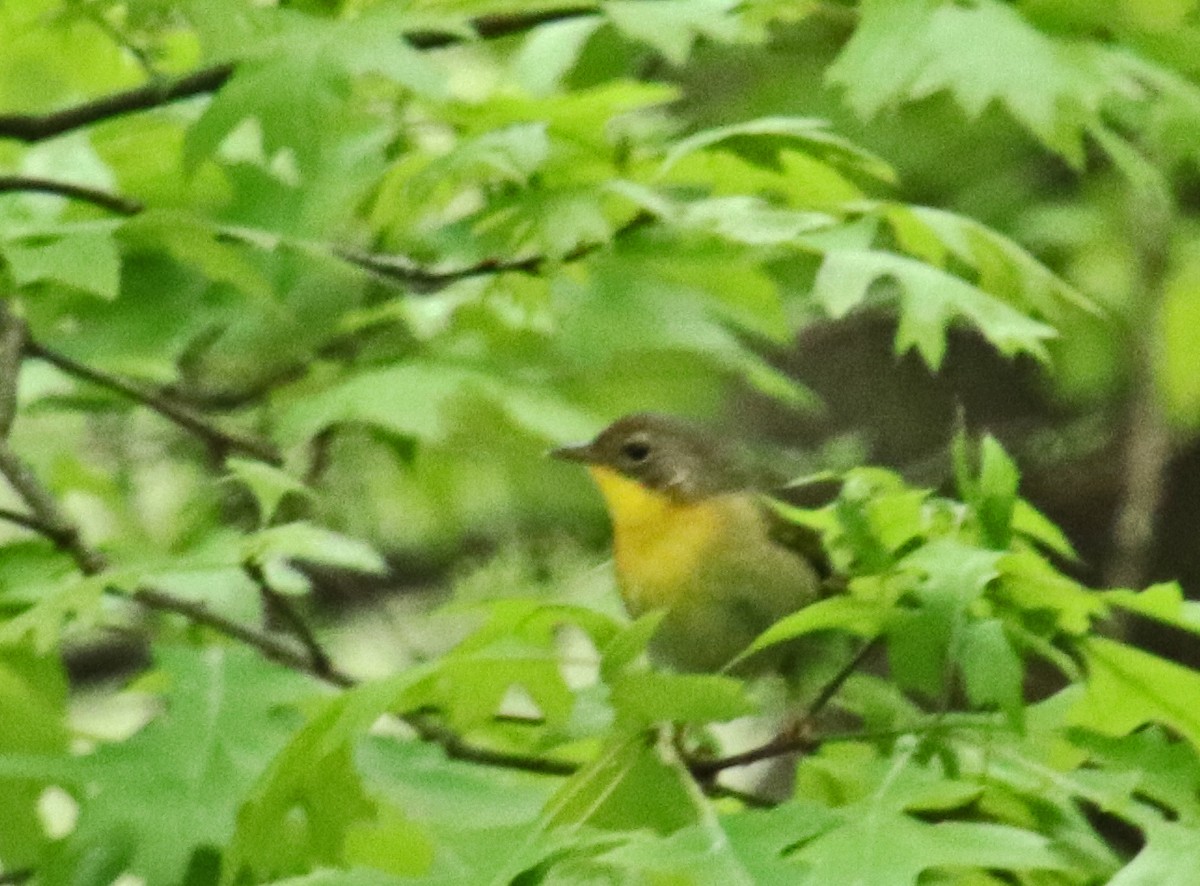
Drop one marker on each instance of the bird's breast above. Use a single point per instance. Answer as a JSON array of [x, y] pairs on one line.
[[660, 544]]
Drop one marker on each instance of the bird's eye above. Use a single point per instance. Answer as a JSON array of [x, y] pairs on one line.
[[636, 451]]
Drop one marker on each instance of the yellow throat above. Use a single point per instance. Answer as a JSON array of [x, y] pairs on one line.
[[658, 543]]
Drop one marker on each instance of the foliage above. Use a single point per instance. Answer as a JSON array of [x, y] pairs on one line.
[[288, 285]]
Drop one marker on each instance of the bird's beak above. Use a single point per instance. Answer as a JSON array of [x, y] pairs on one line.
[[580, 452]]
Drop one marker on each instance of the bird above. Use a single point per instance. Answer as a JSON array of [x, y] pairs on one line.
[[694, 537]]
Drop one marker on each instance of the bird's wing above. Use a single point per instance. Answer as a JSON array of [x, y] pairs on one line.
[[811, 492]]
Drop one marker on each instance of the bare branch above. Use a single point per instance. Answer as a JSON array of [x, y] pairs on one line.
[[27, 521], [47, 516], [269, 647], [12, 348], [791, 741], [830, 689], [318, 659], [36, 127], [104, 199], [221, 439]]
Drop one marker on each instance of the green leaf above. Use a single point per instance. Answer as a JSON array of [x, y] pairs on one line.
[[224, 715], [304, 541], [1165, 602], [922, 641], [672, 26], [267, 483], [997, 493], [989, 53], [993, 674], [86, 259], [406, 399], [645, 698], [633, 783], [391, 843], [863, 618], [1028, 581], [1036, 526], [890, 849], [884, 55], [1127, 688], [812, 133], [311, 798], [929, 300], [550, 51], [630, 644], [1174, 363], [33, 696], [1170, 857]]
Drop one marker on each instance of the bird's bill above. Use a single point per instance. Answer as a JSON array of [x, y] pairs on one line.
[[580, 452]]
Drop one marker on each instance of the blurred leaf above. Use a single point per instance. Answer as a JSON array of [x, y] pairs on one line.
[[304, 541], [268, 484], [813, 133], [864, 618], [632, 784], [222, 720], [922, 642], [1128, 688], [86, 258], [645, 698], [1168, 858], [311, 798], [1179, 328], [1033, 524], [671, 26], [930, 299], [33, 695], [1165, 602], [992, 670]]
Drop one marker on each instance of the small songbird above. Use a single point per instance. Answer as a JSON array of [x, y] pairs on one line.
[[693, 536]]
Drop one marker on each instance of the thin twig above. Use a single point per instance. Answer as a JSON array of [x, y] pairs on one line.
[[26, 521], [404, 270], [799, 739], [268, 646], [104, 199], [319, 660], [457, 748], [46, 514], [788, 742], [830, 689], [36, 127], [221, 439], [12, 347]]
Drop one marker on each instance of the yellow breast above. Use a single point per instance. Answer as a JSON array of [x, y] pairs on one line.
[[658, 542]]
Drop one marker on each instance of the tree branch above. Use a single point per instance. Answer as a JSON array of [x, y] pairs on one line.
[[318, 659], [403, 270], [221, 439], [104, 199], [36, 127], [269, 647], [12, 349], [1148, 443]]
